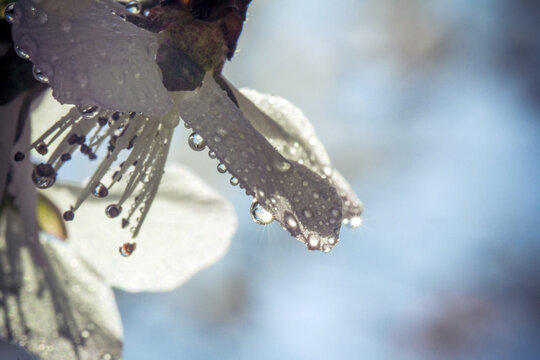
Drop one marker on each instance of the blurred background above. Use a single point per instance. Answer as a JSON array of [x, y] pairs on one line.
[[431, 109]]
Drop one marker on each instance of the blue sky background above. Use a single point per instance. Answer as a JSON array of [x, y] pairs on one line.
[[431, 109]]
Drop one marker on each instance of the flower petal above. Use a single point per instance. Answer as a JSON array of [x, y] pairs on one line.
[[290, 132], [62, 311], [305, 203], [91, 55], [188, 229]]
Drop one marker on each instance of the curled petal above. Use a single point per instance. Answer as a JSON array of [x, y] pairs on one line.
[[188, 229], [290, 132], [90, 54], [304, 202]]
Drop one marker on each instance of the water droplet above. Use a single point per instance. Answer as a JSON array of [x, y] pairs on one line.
[[85, 334], [326, 248], [133, 7], [68, 215], [23, 54], [291, 221], [126, 249], [65, 26], [100, 191], [313, 242], [222, 168], [196, 142], [113, 210], [42, 148], [19, 156], [307, 213], [234, 181], [44, 176], [282, 166], [259, 214], [332, 241], [88, 111], [316, 195], [9, 12], [212, 154], [354, 222], [39, 76]]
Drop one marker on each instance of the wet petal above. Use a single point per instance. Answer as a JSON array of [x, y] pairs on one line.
[[290, 132], [62, 311], [304, 202], [91, 55], [188, 229]]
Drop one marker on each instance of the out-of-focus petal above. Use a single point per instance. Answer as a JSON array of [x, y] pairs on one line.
[[188, 228], [304, 202], [91, 55], [290, 132], [64, 311]]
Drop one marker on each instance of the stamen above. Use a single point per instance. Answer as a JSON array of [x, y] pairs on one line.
[[88, 128]]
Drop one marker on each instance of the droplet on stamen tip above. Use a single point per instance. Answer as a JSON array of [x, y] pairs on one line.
[[196, 142], [88, 111], [9, 12], [69, 215], [222, 168], [113, 210], [42, 148], [259, 214], [44, 176], [100, 191], [126, 249]]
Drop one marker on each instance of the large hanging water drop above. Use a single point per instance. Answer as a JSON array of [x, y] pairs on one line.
[[100, 191], [44, 176], [39, 76], [88, 111], [259, 214], [126, 249], [9, 12], [196, 142]]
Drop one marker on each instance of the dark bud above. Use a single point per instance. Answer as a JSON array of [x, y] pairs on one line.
[[72, 139], [42, 149], [85, 149], [102, 121], [65, 157]]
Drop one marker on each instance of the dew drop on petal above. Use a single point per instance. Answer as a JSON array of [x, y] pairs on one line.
[[23, 54], [196, 142], [212, 154], [126, 249], [9, 12], [133, 7], [100, 191], [313, 242], [222, 168], [43, 176], [113, 210], [307, 213], [234, 181], [326, 248], [88, 111], [291, 221], [354, 222], [39, 76], [259, 214]]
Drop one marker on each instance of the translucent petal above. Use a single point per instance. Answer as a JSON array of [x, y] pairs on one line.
[[60, 311], [91, 55], [188, 228], [290, 132], [287, 189]]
